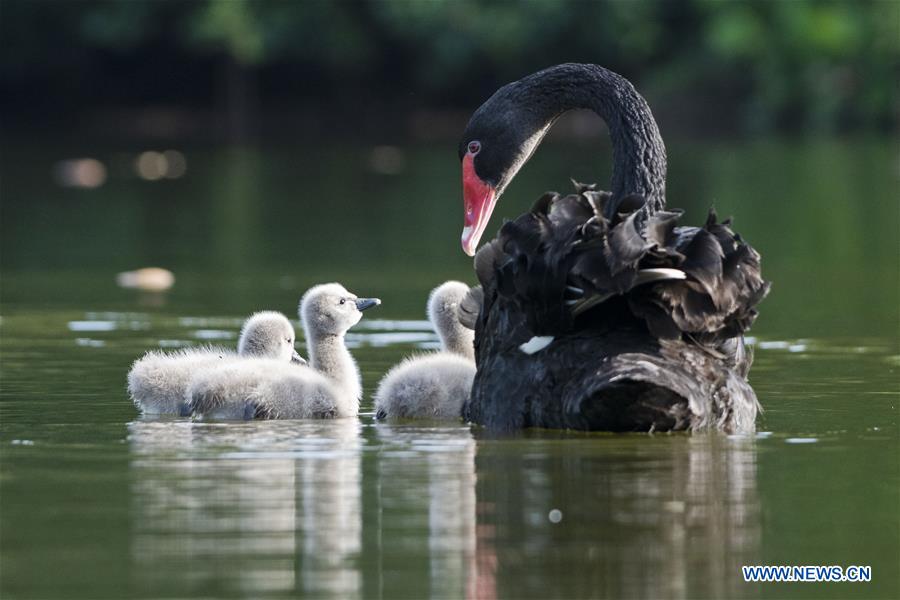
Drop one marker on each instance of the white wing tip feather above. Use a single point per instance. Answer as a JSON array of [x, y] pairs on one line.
[[536, 344], [661, 274]]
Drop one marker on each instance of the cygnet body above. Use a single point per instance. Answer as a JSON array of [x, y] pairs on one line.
[[157, 382], [436, 385], [329, 387]]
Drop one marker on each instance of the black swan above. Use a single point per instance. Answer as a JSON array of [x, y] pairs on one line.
[[595, 310]]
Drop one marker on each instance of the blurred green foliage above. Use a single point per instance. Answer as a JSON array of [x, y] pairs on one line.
[[802, 65]]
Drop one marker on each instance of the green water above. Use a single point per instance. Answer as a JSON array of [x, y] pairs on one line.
[[96, 502]]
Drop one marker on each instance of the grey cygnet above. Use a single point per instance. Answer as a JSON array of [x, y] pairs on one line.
[[329, 387], [435, 385], [157, 381]]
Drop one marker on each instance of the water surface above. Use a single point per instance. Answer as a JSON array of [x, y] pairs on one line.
[[97, 502]]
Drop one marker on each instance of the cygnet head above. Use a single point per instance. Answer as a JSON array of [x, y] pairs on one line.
[[443, 312], [269, 334], [329, 310]]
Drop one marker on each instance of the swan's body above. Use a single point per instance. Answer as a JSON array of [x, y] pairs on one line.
[[435, 385], [429, 386], [598, 312], [157, 382], [265, 389]]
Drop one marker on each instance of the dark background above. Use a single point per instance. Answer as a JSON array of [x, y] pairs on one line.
[[243, 69]]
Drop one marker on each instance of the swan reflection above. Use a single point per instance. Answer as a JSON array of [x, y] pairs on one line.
[[255, 507], [344, 509], [668, 516], [427, 500]]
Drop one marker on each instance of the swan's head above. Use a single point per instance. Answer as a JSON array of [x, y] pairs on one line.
[[500, 137], [269, 334], [329, 309], [443, 312]]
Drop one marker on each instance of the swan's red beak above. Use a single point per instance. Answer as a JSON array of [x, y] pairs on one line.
[[479, 198]]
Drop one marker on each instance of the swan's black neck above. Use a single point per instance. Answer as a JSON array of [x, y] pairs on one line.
[[639, 156]]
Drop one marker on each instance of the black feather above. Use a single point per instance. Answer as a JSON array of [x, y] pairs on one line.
[[566, 251]]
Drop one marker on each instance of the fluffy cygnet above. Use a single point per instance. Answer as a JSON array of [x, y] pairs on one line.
[[157, 382], [269, 334], [433, 386], [329, 387]]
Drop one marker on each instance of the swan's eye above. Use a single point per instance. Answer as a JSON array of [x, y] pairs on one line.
[[343, 300], [474, 147]]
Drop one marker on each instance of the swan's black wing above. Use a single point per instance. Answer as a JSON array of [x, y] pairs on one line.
[[613, 380], [639, 321], [563, 260]]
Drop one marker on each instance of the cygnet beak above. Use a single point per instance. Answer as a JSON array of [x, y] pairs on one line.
[[364, 303], [296, 359]]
